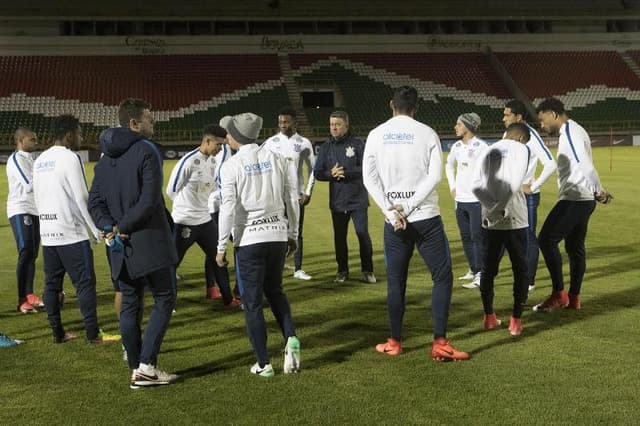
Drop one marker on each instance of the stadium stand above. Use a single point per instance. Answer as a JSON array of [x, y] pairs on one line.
[[188, 91], [597, 86], [448, 84]]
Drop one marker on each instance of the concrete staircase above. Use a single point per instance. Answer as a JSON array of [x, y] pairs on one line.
[[510, 83], [632, 64], [304, 127]]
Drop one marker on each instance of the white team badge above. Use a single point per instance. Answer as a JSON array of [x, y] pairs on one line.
[[349, 152], [27, 220], [186, 232]]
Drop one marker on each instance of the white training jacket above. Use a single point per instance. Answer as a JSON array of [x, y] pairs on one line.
[[539, 152], [20, 179], [215, 197], [257, 185], [402, 165], [497, 182], [465, 155], [61, 194], [578, 179], [300, 150], [192, 181]]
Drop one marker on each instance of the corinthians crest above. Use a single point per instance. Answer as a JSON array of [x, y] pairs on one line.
[[349, 152], [186, 232]]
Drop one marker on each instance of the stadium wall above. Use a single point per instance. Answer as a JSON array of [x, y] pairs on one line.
[[176, 45]]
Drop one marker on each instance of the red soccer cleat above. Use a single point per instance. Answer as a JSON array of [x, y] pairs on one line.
[[557, 300], [574, 302], [35, 301], [390, 347], [441, 350], [490, 322], [214, 293], [234, 305], [26, 308], [515, 326]]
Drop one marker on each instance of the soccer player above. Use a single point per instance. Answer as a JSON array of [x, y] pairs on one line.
[[497, 182], [464, 153], [258, 186], [219, 274], [23, 216], [402, 166], [66, 227], [190, 185], [515, 112], [340, 163], [579, 188], [126, 201], [291, 145]]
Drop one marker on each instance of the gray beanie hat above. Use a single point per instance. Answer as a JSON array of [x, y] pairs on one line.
[[471, 121], [244, 127]]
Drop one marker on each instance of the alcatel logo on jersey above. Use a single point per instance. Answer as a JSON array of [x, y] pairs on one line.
[[46, 165], [257, 167], [400, 138]]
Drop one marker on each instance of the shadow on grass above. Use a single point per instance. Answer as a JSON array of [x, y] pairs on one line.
[[535, 323]]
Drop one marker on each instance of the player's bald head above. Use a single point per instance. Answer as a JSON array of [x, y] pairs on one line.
[[20, 133], [25, 139]]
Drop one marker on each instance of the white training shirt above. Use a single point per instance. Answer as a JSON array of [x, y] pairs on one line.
[[257, 185], [497, 183], [465, 155], [402, 164], [218, 160], [577, 177], [61, 194], [20, 178], [192, 181], [539, 152], [300, 150]]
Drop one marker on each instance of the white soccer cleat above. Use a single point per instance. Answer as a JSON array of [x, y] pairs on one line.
[[148, 375], [292, 355], [266, 371], [301, 275], [468, 276], [475, 283]]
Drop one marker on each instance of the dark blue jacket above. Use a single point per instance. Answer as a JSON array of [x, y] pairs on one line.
[[349, 193], [127, 191]]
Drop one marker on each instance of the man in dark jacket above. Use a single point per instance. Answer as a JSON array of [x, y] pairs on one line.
[[339, 162], [126, 202]]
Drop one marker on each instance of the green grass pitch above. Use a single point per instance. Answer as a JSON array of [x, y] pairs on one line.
[[567, 368]]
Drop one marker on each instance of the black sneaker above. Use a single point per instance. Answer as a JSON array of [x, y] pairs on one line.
[[341, 277]]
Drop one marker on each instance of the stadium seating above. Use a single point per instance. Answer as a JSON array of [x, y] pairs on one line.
[[597, 87], [186, 91], [449, 84]]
